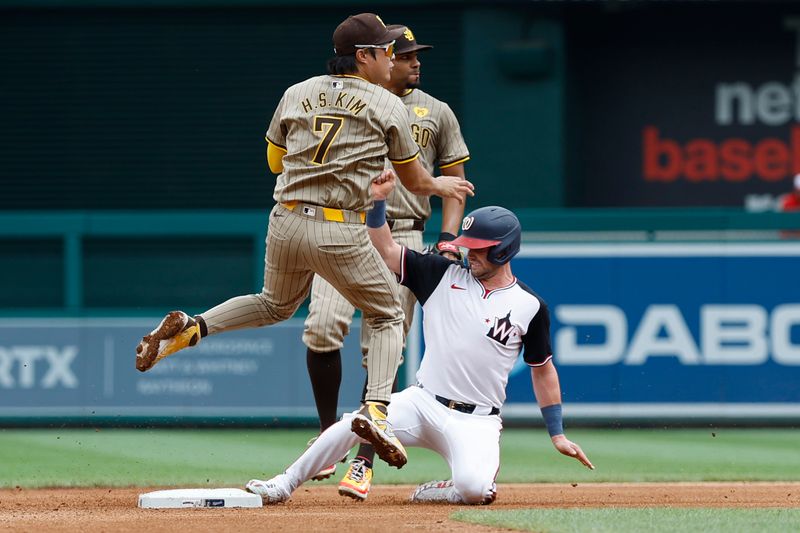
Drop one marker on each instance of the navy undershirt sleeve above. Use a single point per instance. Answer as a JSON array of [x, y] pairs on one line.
[[422, 273], [537, 339]]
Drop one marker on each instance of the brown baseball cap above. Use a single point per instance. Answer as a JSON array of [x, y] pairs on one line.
[[362, 29], [406, 42]]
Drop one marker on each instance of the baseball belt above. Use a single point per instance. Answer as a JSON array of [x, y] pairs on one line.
[[330, 214], [462, 407], [468, 408], [404, 224]]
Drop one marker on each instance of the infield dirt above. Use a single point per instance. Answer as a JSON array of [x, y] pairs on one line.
[[320, 508]]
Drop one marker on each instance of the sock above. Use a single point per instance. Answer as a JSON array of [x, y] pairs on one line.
[[203, 327], [367, 460], [325, 372], [366, 452]]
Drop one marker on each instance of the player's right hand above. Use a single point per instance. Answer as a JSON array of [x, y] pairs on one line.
[[454, 187], [383, 184]]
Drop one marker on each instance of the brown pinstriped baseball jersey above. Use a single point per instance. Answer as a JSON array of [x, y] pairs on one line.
[[435, 129], [338, 131]]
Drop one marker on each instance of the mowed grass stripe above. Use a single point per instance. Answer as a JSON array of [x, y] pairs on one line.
[[657, 455], [128, 457], [135, 457], [627, 520]]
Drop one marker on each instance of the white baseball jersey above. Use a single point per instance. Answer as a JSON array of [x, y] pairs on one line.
[[471, 364]]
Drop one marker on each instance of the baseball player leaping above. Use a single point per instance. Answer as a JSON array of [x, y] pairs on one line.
[[476, 322], [328, 139], [438, 135]]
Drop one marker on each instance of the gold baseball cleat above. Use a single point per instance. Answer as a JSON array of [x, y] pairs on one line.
[[176, 332]]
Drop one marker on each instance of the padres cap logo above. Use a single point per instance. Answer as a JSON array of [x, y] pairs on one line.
[[408, 34]]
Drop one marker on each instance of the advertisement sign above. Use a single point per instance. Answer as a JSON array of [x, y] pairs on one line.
[[639, 331], [668, 330], [85, 368], [703, 111]]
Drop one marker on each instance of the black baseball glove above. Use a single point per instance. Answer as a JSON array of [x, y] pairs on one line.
[[446, 248]]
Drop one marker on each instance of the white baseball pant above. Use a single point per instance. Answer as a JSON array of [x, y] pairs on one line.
[[469, 443]]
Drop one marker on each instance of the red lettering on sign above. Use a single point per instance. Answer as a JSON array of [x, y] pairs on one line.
[[772, 159], [733, 159], [701, 161], [654, 149], [736, 164]]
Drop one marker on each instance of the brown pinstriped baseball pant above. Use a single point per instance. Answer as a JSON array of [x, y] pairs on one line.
[[330, 314], [299, 246]]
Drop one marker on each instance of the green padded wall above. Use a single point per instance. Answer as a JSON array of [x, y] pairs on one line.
[[176, 273], [32, 273], [161, 109], [514, 107]]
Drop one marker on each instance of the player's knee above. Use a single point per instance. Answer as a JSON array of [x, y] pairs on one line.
[[284, 312], [322, 342], [387, 311], [324, 334], [272, 312], [475, 490], [381, 322]]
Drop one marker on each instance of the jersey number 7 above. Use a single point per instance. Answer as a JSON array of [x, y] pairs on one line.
[[329, 126]]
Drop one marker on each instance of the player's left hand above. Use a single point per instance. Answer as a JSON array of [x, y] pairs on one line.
[[383, 184], [571, 449], [449, 250]]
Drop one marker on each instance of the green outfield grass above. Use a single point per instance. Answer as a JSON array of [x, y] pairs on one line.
[[130, 457], [653, 520]]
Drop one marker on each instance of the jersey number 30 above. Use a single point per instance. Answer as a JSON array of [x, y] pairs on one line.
[[329, 127]]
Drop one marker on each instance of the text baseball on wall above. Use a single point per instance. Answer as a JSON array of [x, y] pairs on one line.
[[698, 113]]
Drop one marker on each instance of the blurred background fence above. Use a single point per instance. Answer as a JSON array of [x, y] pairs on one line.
[[644, 145]]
